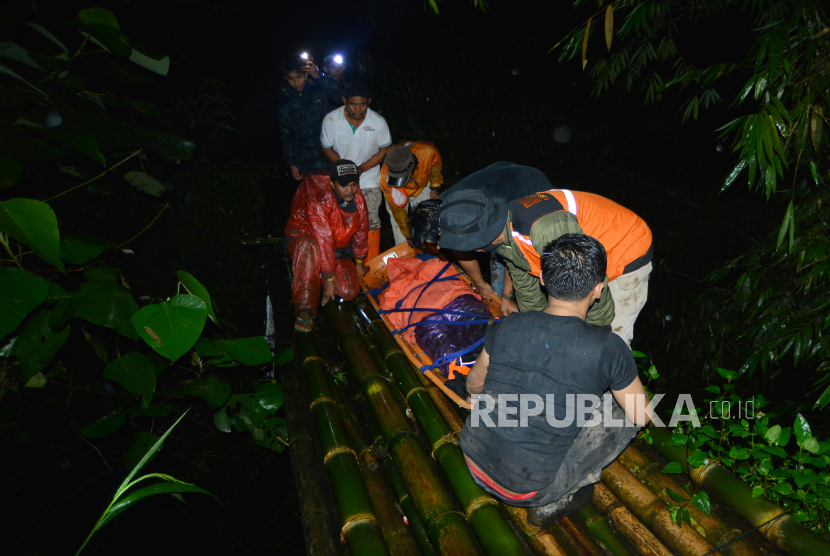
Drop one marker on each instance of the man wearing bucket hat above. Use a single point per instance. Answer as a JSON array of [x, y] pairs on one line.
[[519, 230], [411, 174], [328, 227]]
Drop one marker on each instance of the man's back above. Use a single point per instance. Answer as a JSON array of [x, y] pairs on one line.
[[538, 353], [504, 180]]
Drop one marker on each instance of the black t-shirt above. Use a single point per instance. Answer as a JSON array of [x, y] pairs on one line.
[[506, 180], [538, 353]]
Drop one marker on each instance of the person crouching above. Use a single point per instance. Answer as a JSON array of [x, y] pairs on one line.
[[548, 459], [328, 227]]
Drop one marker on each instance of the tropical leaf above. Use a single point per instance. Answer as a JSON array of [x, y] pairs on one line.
[[194, 287], [37, 344], [22, 293], [171, 328], [35, 224], [135, 374]]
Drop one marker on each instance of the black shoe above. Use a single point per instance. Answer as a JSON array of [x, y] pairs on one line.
[[542, 516]]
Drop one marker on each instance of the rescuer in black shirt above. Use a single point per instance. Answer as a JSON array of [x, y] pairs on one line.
[[529, 441]]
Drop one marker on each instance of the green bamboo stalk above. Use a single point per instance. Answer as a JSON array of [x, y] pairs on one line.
[[568, 532], [784, 532], [602, 532], [492, 530], [628, 526], [366, 313], [361, 531], [653, 512], [314, 513], [540, 540], [711, 527]]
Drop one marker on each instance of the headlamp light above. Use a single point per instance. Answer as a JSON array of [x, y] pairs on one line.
[[304, 55], [338, 59]]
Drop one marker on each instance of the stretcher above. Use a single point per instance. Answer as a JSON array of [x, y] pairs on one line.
[[376, 277]]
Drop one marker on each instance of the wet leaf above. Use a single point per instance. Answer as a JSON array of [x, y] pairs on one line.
[[702, 502], [22, 293], [284, 356], [108, 37], [222, 421], [160, 488], [675, 496], [585, 45], [81, 249], [142, 442], [104, 426], [672, 468], [135, 374], [194, 287], [37, 381], [786, 225], [37, 344], [270, 396], [35, 224], [270, 433], [773, 433], [811, 445], [757, 491], [99, 348], [160, 66], [210, 389], [175, 325], [801, 428], [247, 351], [99, 16], [609, 26], [100, 301], [697, 459]]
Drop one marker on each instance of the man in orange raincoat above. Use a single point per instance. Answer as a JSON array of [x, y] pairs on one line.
[[411, 173], [328, 227]]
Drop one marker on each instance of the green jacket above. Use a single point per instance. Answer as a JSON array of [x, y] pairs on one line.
[[530, 296]]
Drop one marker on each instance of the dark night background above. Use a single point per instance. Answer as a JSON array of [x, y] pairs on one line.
[[482, 87]]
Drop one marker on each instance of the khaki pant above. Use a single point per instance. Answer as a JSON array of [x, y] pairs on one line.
[[629, 292], [411, 204], [373, 197]]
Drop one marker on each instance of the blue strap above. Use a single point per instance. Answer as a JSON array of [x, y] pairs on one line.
[[437, 312], [377, 291], [451, 357], [451, 323]]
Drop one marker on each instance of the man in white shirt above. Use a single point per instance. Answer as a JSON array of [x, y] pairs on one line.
[[356, 132]]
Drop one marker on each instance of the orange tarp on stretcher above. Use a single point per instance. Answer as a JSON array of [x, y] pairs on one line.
[[411, 274]]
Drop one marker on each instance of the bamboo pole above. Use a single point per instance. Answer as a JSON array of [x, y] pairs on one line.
[[361, 531], [628, 526], [602, 532], [710, 527], [568, 532], [653, 512], [314, 513], [387, 345], [492, 530], [784, 532], [446, 528], [540, 540], [398, 535]]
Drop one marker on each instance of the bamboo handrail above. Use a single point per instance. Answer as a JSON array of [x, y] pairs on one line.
[[784, 532], [446, 527], [361, 531], [492, 530], [314, 513]]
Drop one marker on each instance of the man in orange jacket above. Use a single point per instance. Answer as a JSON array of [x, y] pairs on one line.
[[411, 173], [328, 227]]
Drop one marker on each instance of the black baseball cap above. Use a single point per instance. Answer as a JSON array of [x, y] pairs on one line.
[[344, 172]]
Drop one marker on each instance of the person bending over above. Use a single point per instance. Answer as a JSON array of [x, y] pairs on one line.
[[519, 230], [502, 180], [548, 459], [328, 227], [411, 174]]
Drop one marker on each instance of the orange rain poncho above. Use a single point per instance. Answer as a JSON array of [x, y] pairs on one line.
[[428, 173]]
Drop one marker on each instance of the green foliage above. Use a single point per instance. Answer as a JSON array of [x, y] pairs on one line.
[[121, 500], [171, 328], [740, 434], [774, 314]]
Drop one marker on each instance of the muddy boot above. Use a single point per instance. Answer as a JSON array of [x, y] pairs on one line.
[[571, 503]]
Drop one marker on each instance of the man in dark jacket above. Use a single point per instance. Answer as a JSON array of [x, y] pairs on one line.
[[302, 107]]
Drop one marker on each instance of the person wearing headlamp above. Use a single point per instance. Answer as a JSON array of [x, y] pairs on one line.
[[411, 174]]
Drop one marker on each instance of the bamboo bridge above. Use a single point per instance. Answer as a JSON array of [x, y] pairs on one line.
[[378, 471]]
